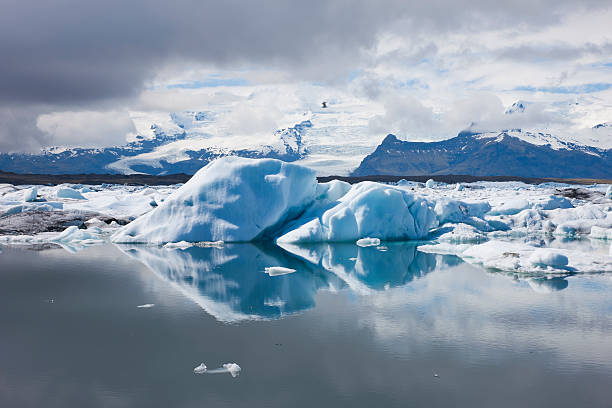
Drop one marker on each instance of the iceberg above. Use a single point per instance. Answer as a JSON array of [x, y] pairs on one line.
[[369, 210], [278, 270], [231, 199], [67, 192], [30, 194]]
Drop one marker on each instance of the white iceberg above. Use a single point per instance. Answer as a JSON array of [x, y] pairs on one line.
[[524, 258], [366, 242], [201, 369], [82, 237], [30, 194], [368, 210], [146, 306], [278, 270], [231, 199], [601, 233], [548, 257], [233, 368], [430, 183], [67, 192], [178, 245]]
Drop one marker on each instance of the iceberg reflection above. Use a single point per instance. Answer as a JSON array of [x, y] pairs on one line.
[[231, 282]]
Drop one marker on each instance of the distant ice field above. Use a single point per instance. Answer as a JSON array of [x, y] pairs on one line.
[[507, 226]]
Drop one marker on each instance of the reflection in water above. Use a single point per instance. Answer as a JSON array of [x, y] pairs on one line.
[[231, 282], [490, 338], [548, 285], [368, 269]]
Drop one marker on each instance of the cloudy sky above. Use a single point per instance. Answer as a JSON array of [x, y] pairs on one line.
[[74, 72]]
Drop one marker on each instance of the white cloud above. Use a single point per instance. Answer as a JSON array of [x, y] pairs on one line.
[[86, 128]]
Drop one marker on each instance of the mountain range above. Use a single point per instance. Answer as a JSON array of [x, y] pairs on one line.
[[505, 153], [334, 140]]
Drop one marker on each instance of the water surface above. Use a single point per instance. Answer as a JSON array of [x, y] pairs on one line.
[[351, 327]]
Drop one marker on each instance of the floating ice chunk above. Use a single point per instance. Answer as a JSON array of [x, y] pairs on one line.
[[366, 242], [67, 192], [30, 194], [86, 190], [510, 207], [454, 211], [430, 183], [95, 222], [459, 187], [367, 210], [609, 192], [278, 270], [74, 234], [230, 199], [178, 245], [524, 258], [201, 369], [601, 233], [233, 368], [214, 244], [443, 248], [553, 202], [548, 257], [461, 233], [146, 306]]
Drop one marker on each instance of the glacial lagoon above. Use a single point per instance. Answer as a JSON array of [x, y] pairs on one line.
[[350, 326]]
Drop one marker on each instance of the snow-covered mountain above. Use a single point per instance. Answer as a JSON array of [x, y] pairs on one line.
[[178, 145], [505, 153], [333, 140]]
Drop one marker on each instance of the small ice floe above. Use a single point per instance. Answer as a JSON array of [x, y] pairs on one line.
[[548, 257], [430, 183], [382, 248], [278, 270], [366, 242], [211, 244], [601, 233], [67, 192], [609, 192], [178, 245], [146, 306], [459, 187], [30, 194], [80, 237], [232, 368]]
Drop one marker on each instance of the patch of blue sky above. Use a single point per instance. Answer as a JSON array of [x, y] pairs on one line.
[[210, 83], [412, 83], [354, 74], [572, 89]]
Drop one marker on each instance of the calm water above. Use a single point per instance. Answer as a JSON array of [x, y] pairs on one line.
[[351, 327]]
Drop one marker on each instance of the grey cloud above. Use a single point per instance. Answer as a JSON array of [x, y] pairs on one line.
[[552, 52], [69, 51], [73, 53]]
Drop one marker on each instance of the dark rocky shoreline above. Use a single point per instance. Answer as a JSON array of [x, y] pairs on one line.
[[142, 179]]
